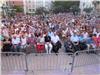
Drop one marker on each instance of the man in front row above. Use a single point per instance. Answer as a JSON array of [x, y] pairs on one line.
[[56, 42], [48, 45]]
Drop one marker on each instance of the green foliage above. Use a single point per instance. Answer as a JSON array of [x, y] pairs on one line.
[[75, 8], [64, 6], [18, 8], [41, 10], [88, 10]]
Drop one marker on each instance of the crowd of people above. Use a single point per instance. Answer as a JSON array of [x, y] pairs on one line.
[[26, 33]]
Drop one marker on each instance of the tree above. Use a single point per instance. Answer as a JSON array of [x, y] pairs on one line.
[[58, 9], [41, 10], [64, 6], [18, 8], [88, 10], [75, 9]]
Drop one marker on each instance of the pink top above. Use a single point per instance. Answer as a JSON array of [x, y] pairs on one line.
[[99, 39]]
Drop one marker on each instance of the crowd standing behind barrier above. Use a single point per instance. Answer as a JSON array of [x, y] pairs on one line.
[[29, 34]]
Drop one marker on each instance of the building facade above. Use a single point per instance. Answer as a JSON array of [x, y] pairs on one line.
[[98, 7], [86, 4], [7, 6], [30, 6], [15, 2]]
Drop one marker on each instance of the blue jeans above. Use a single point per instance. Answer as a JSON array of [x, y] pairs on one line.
[[16, 48]]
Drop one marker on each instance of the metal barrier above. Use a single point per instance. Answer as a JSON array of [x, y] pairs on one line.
[[85, 58], [18, 61], [13, 61], [51, 61]]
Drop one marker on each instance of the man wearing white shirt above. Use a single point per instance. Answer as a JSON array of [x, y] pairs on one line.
[[23, 42], [85, 35], [16, 43], [55, 38], [56, 42], [15, 40], [94, 31], [50, 33], [75, 40]]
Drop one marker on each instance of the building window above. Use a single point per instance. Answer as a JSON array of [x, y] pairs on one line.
[[13, 3], [6, 3], [30, 10], [33, 10], [83, 4]]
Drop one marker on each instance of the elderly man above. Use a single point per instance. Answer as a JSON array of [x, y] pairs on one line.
[[56, 42], [75, 40]]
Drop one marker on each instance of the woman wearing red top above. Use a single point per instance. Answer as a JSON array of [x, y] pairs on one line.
[[95, 39], [99, 41]]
